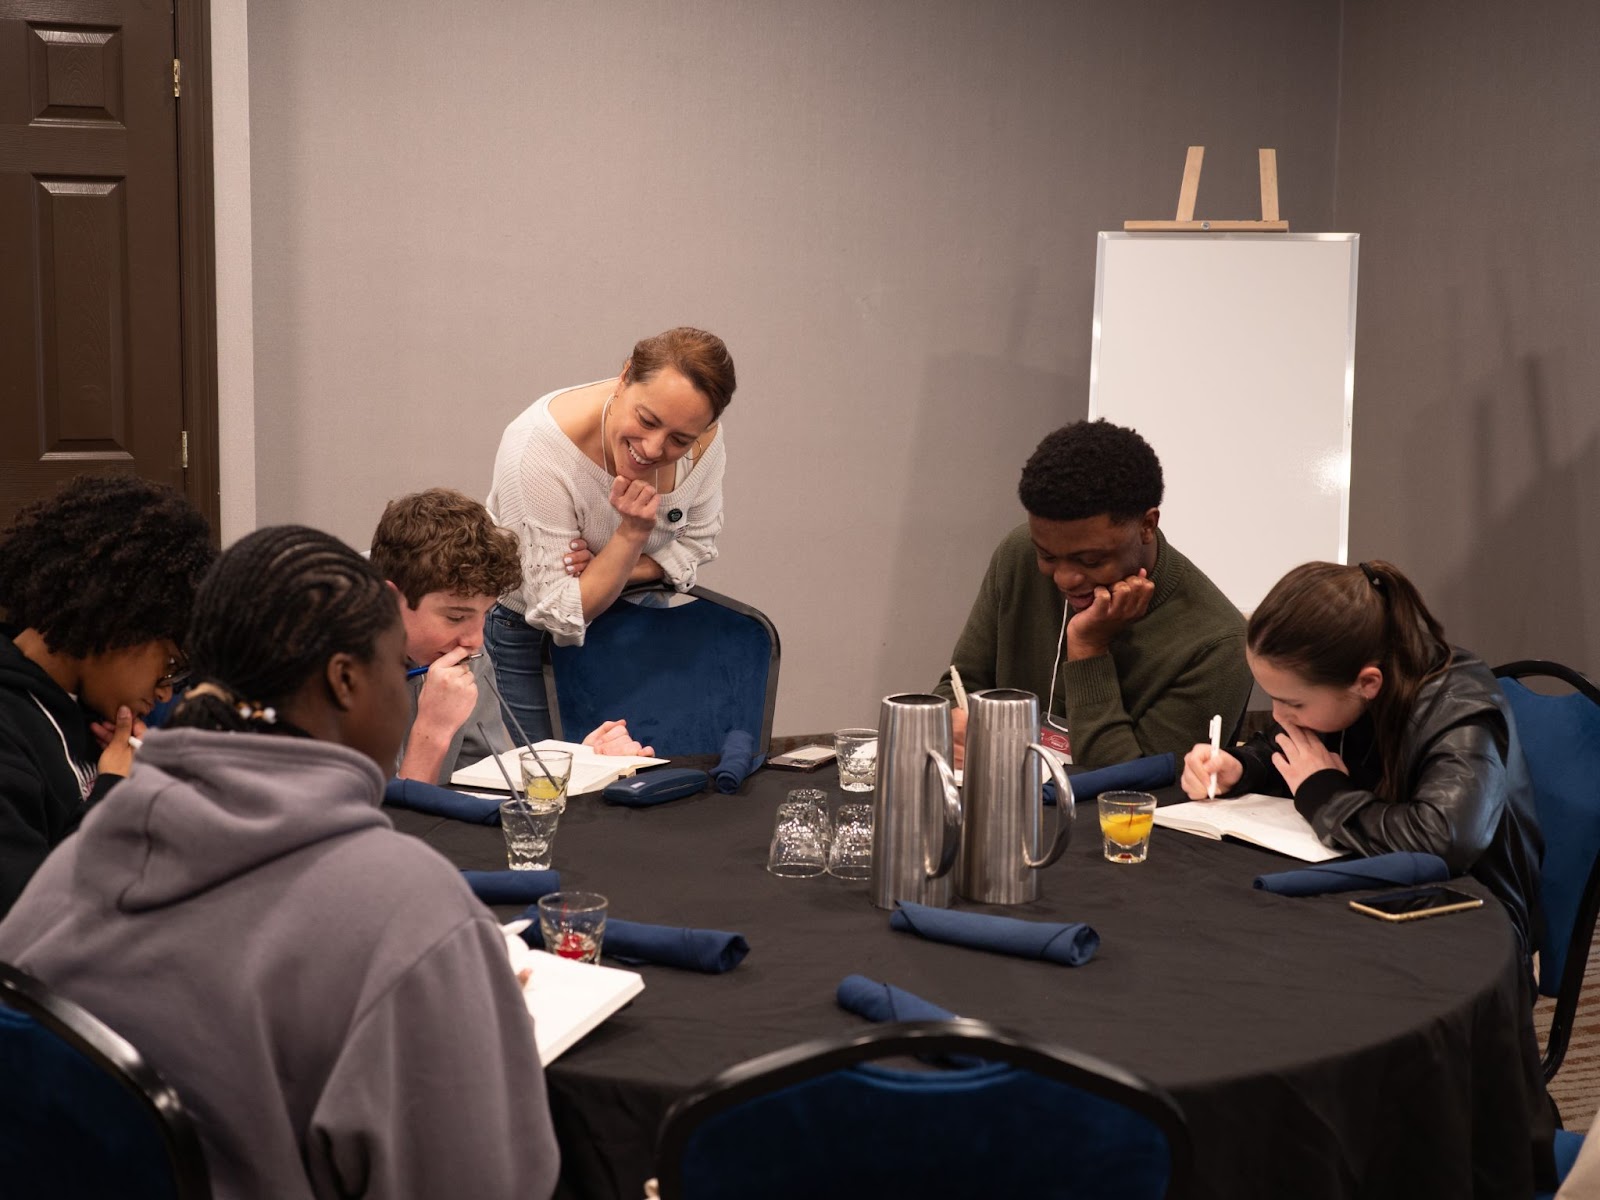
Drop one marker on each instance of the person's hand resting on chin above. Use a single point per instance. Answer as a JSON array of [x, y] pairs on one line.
[[1301, 755]]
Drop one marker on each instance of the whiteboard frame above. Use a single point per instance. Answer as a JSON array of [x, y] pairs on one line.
[[1107, 236]]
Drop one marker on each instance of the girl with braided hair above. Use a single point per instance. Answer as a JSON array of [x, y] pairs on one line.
[[327, 993], [1387, 737], [96, 583]]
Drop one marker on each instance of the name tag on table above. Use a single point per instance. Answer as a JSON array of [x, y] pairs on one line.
[[1052, 738]]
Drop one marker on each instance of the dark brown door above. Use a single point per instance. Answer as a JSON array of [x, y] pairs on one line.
[[91, 337]]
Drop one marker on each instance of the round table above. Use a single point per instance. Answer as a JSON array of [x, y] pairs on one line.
[[1315, 1052]]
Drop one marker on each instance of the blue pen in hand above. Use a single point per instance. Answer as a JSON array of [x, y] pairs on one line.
[[415, 671]]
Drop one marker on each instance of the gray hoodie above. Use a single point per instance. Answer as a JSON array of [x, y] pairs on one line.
[[326, 994]]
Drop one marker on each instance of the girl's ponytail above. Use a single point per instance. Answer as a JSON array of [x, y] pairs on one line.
[[1414, 651]]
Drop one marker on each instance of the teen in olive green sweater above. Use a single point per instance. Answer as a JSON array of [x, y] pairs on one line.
[[1156, 689], [1153, 649]]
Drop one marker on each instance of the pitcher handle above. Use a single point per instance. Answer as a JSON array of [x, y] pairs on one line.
[[950, 845], [1066, 807]]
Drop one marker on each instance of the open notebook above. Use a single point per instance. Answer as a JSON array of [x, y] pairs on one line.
[[590, 771], [565, 998], [1270, 822]]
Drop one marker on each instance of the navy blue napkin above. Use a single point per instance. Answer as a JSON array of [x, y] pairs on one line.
[[1404, 868], [442, 802], [884, 1002], [1071, 945], [709, 950], [1154, 771], [512, 887], [739, 758]]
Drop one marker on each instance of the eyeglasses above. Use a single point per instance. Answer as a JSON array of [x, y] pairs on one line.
[[177, 675]]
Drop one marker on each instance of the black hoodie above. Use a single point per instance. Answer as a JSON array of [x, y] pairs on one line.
[[47, 772]]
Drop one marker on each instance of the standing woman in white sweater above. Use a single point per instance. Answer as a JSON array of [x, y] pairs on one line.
[[626, 469]]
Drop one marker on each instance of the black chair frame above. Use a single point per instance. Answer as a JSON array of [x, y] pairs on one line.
[[1571, 985], [117, 1057], [927, 1040], [764, 739]]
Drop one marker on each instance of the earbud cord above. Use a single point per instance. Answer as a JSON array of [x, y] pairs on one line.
[[1050, 700]]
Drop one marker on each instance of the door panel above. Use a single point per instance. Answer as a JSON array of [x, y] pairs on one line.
[[90, 332]]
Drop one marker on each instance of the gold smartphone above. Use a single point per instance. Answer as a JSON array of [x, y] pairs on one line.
[[1416, 903], [806, 758]]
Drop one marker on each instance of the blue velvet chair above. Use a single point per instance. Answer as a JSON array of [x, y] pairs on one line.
[[826, 1119], [82, 1115], [684, 676], [1560, 736], [1567, 1146]]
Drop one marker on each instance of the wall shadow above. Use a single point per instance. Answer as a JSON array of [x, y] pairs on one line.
[[973, 409]]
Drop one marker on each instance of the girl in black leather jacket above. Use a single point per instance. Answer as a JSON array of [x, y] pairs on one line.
[[1387, 737]]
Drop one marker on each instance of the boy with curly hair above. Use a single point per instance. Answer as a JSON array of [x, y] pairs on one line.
[[1126, 643], [449, 562], [96, 584]]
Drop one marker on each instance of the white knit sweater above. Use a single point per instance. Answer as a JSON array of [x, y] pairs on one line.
[[548, 492]]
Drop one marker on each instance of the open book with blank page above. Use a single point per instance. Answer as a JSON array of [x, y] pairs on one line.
[[590, 771], [567, 999], [1270, 822]]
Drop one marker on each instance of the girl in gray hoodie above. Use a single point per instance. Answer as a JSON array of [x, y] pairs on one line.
[[325, 994]]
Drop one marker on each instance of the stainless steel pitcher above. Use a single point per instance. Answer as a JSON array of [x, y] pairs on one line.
[[1003, 800], [916, 806]]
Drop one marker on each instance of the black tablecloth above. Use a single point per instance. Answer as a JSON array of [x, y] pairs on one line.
[[1315, 1052]]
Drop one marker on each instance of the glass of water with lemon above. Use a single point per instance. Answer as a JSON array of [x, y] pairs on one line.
[[545, 774], [1125, 821]]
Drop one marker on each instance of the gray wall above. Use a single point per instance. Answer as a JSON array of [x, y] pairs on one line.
[[888, 210], [1468, 161]]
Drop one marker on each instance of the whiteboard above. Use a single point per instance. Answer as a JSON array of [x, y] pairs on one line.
[[1233, 354]]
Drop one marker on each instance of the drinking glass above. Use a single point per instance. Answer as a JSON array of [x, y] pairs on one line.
[[1125, 822], [857, 750], [797, 850], [530, 829], [573, 924], [850, 856], [818, 799], [545, 774]]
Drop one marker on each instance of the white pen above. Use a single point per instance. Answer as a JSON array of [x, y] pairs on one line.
[[957, 688], [1216, 745]]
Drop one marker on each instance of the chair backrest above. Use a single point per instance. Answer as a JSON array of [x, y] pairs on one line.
[[1560, 736], [684, 676], [82, 1115], [826, 1120]]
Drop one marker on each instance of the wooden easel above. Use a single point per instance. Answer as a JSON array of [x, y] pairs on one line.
[[1185, 223]]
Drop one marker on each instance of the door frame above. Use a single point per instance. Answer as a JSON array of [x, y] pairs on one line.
[[197, 254]]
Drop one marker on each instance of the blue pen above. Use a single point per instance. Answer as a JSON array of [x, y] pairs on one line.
[[415, 671]]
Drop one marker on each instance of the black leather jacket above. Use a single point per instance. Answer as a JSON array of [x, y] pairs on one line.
[[1467, 798]]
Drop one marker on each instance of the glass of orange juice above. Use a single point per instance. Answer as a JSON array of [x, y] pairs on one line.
[[1125, 821]]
